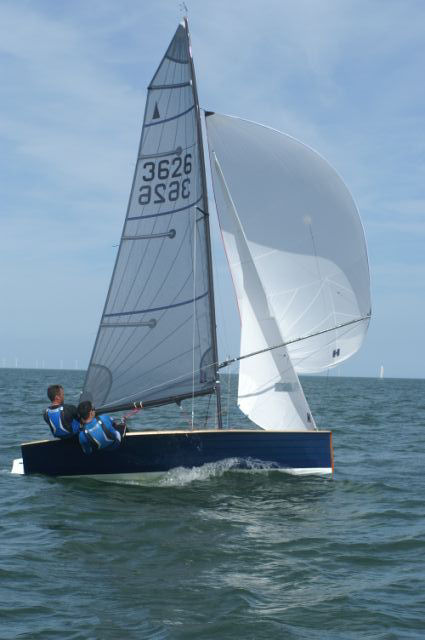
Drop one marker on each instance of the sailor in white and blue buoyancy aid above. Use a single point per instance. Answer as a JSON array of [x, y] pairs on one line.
[[99, 432], [61, 418]]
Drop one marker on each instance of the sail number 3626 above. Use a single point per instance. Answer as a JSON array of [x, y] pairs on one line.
[[162, 192]]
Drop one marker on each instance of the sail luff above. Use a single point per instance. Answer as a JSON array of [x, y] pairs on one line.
[[207, 232]]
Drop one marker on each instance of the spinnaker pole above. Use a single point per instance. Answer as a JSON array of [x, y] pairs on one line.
[[230, 361]]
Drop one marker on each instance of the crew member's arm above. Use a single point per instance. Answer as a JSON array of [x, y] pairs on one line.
[[70, 418]]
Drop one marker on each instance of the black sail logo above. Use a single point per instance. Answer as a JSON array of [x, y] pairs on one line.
[[156, 115]]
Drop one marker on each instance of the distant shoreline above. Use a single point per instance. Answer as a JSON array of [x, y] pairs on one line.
[[311, 375]]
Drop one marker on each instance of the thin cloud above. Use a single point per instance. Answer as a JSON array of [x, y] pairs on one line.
[[344, 77]]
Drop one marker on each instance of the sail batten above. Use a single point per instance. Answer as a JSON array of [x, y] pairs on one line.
[[179, 85], [167, 213], [169, 306], [158, 323]]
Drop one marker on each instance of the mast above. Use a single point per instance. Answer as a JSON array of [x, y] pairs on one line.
[[205, 212]]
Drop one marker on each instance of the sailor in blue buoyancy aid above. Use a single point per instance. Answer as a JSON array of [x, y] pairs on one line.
[[97, 433], [61, 418]]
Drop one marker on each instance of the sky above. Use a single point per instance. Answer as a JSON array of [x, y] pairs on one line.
[[344, 77]]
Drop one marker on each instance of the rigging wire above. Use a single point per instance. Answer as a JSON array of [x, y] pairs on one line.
[[195, 227], [228, 396], [185, 415], [208, 411]]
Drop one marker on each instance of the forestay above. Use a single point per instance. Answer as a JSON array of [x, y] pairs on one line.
[[155, 341], [298, 258]]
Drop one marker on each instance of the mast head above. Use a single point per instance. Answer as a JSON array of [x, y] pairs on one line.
[[184, 12]]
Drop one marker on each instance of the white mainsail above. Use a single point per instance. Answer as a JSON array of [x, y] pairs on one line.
[[156, 339], [303, 244]]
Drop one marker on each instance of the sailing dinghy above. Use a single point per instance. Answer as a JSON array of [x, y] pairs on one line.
[[297, 255]]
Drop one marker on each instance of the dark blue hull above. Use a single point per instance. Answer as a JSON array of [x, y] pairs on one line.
[[149, 452]]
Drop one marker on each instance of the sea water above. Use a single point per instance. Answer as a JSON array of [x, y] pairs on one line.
[[213, 553]]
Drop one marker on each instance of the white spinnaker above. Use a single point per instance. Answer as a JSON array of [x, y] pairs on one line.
[[269, 392], [304, 235]]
